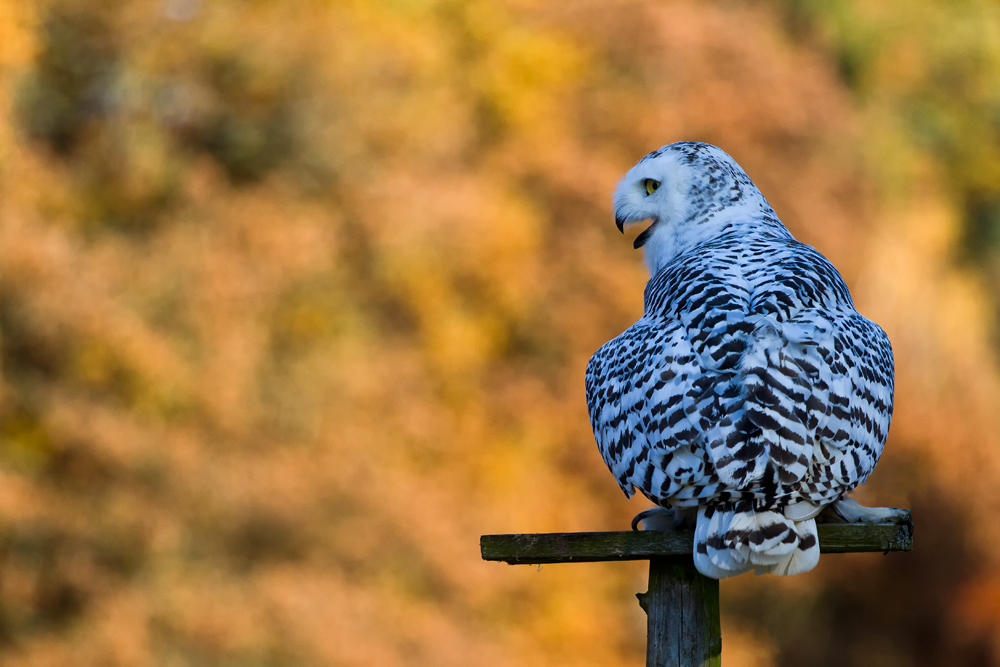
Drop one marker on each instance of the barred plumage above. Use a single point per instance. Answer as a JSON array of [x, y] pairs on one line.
[[751, 390]]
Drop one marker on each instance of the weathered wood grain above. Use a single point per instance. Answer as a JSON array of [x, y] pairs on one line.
[[532, 548], [683, 626]]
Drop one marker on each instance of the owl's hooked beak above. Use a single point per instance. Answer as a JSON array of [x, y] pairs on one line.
[[640, 240]]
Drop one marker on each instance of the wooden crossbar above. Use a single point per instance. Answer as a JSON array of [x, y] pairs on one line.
[[682, 607], [532, 548]]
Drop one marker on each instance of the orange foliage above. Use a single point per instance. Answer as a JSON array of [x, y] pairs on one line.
[[296, 298]]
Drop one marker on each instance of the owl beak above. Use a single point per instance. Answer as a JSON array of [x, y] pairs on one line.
[[623, 221], [641, 239]]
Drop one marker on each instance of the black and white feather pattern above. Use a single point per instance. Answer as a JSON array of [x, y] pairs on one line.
[[751, 388]]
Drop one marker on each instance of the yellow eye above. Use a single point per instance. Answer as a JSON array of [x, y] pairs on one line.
[[650, 185]]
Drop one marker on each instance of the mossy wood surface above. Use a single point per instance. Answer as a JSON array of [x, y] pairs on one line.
[[532, 548]]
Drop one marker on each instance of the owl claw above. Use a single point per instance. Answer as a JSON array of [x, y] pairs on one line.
[[660, 518], [652, 516], [848, 510]]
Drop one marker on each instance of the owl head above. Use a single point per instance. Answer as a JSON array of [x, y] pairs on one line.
[[691, 192]]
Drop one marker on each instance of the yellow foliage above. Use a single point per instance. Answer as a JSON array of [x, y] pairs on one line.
[[296, 298]]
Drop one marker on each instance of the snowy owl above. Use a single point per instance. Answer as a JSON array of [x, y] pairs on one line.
[[751, 394]]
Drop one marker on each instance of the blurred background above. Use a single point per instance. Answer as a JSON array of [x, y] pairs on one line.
[[296, 300]]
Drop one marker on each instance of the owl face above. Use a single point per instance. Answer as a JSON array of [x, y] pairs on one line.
[[690, 192], [654, 190]]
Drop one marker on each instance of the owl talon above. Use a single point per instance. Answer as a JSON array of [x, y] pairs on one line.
[[660, 518], [848, 510], [655, 518]]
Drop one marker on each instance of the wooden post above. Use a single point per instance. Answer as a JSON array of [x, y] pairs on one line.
[[682, 606], [683, 626]]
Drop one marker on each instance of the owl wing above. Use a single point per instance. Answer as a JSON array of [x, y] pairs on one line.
[[818, 377], [857, 424], [636, 388]]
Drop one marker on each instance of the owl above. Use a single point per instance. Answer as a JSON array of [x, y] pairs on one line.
[[751, 394]]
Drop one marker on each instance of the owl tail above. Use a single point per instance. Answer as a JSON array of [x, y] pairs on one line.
[[729, 541]]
